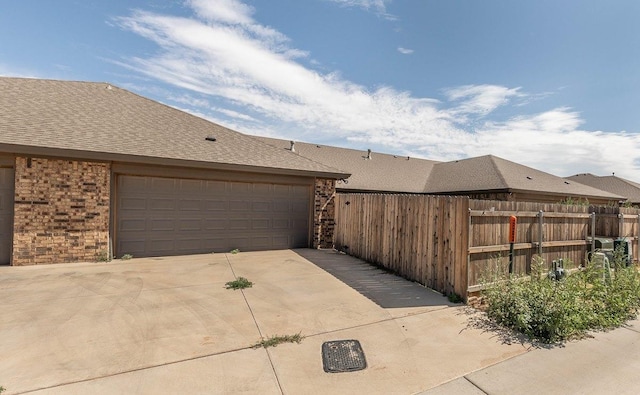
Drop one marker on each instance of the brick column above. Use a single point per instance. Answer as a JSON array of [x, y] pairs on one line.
[[61, 211], [324, 213]]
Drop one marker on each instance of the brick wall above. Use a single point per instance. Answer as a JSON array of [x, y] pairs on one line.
[[324, 213], [61, 211]]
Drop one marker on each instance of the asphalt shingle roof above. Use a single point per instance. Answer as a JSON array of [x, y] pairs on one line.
[[115, 124], [490, 172], [613, 184], [383, 172], [391, 173]]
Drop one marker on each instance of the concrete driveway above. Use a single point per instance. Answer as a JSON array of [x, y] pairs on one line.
[[168, 325]]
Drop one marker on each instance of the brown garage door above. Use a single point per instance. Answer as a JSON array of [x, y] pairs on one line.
[[169, 216], [6, 214]]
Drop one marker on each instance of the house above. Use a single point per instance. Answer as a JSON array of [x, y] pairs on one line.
[[484, 177], [614, 184], [90, 170]]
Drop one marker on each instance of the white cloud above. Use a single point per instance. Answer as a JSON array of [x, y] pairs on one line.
[[405, 51], [480, 99], [223, 54], [378, 6]]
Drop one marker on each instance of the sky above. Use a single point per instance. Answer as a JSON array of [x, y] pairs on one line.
[[553, 85]]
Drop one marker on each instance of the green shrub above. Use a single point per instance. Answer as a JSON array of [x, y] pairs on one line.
[[593, 298]]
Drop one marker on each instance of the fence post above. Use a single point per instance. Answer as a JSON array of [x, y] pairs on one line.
[[540, 231], [620, 225], [638, 238], [469, 253], [593, 232]]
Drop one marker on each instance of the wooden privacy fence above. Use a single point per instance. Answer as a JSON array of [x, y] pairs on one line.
[[422, 238], [445, 242]]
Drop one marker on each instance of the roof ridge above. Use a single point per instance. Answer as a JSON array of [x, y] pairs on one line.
[[493, 158], [257, 138]]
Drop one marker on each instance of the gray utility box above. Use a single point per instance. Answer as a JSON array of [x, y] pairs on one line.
[[608, 245]]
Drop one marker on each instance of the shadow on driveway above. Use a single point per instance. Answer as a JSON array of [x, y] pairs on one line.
[[385, 289]]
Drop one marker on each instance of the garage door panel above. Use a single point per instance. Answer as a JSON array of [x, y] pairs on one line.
[[189, 205], [239, 224], [216, 205], [158, 216], [211, 224], [260, 224], [261, 206], [281, 223], [262, 189], [190, 225], [238, 188], [135, 203], [162, 185], [239, 205], [133, 225], [6, 214], [161, 225]]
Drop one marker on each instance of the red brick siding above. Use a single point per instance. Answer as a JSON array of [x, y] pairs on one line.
[[61, 211], [324, 213]]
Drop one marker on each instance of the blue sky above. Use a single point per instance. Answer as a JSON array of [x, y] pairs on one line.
[[550, 84]]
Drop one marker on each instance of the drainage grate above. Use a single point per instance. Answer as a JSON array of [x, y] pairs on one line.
[[343, 356]]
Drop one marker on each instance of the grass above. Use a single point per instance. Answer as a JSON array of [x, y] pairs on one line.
[[126, 257], [235, 251], [273, 341], [239, 283], [591, 298]]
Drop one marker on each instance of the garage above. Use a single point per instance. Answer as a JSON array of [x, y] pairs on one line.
[[157, 216], [6, 214]]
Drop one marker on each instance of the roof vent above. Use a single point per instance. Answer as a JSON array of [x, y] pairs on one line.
[[368, 154], [109, 87], [210, 138], [293, 146], [567, 182], [529, 178]]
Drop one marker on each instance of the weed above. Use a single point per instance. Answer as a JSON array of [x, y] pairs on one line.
[[455, 298], [103, 256], [592, 298], [273, 341], [235, 251], [126, 257], [2, 389], [239, 283]]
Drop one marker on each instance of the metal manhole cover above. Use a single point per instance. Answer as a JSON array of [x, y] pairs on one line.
[[343, 356]]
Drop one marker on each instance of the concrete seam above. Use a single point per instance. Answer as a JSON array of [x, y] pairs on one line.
[[475, 385], [135, 370], [273, 367]]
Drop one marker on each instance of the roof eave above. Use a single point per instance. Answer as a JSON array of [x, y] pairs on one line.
[[152, 160]]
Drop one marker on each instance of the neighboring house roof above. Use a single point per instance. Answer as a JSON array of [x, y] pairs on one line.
[[381, 173], [620, 186], [392, 173], [101, 121], [486, 173]]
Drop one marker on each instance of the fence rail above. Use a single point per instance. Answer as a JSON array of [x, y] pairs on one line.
[[446, 242]]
